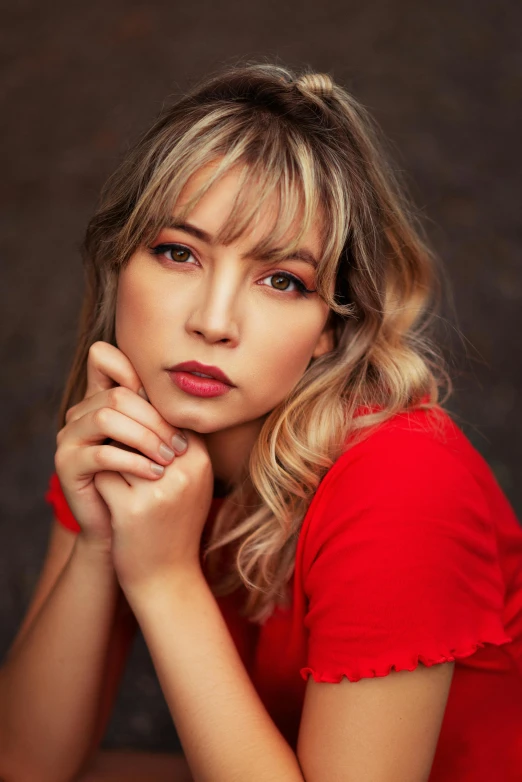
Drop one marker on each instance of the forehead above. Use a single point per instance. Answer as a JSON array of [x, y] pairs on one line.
[[232, 206]]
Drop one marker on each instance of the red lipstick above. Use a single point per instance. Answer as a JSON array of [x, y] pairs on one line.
[[215, 384]]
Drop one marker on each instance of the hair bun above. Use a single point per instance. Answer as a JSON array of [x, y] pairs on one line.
[[319, 84]]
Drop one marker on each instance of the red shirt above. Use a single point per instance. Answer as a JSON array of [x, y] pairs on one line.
[[409, 552]]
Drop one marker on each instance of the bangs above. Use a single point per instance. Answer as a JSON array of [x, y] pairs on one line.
[[279, 171], [270, 193]]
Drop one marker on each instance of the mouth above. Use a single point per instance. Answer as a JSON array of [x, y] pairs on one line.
[[202, 370], [201, 380]]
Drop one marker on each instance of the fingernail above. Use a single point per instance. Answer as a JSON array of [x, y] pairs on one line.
[[179, 442], [142, 393], [157, 468], [166, 452]]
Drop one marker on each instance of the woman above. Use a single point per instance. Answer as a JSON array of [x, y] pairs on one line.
[[253, 464]]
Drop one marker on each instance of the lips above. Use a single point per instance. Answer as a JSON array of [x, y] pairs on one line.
[[195, 366]]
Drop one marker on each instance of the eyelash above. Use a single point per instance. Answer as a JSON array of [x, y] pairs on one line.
[[302, 290]]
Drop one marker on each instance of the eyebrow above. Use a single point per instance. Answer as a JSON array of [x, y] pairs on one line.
[[299, 255]]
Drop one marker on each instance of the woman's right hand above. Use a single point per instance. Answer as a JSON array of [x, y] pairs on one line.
[[111, 409]]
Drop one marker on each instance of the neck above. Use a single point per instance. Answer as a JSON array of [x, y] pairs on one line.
[[229, 452]]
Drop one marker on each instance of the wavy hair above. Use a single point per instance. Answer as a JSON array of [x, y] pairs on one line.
[[303, 139]]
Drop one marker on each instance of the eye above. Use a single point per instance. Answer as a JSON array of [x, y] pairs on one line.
[[180, 254], [283, 282], [177, 253]]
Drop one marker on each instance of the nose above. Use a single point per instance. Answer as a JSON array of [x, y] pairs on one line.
[[215, 311]]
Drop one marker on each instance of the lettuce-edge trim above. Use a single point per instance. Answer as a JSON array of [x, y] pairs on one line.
[[384, 669]]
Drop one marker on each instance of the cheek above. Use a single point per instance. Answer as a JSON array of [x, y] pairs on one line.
[[137, 313], [284, 353]]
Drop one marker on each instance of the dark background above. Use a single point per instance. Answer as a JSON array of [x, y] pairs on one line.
[[79, 81]]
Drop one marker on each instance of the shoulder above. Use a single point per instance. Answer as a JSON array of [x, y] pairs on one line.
[[410, 451], [410, 434], [398, 559], [412, 477]]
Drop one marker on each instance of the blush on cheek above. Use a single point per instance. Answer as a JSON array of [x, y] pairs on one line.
[[134, 305], [283, 367], [130, 325]]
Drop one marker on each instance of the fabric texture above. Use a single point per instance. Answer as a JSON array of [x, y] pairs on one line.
[[409, 554], [62, 512], [404, 536]]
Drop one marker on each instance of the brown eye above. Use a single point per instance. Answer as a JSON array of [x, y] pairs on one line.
[[280, 282], [176, 253], [180, 254], [283, 281]]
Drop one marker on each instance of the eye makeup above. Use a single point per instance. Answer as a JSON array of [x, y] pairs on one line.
[[178, 251]]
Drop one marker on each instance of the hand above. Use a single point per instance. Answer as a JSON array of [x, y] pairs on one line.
[[113, 410], [157, 526]]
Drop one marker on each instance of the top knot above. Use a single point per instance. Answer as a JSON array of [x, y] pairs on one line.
[[318, 84]]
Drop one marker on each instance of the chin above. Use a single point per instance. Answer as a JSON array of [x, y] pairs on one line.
[[193, 421]]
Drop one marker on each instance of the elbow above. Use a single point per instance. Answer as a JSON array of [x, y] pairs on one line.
[[12, 769], [16, 768], [21, 762]]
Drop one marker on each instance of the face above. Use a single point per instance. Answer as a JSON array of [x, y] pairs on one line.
[[188, 298]]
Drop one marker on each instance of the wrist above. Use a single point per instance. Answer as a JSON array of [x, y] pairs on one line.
[[173, 585], [97, 551]]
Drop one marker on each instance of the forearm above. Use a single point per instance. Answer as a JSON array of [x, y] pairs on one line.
[[50, 683], [226, 732], [136, 766]]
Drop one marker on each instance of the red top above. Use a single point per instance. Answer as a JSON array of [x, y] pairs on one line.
[[409, 552]]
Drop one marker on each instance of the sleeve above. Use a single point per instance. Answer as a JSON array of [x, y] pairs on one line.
[[56, 498], [402, 565]]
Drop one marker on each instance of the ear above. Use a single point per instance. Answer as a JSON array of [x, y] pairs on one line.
[[325, 343]]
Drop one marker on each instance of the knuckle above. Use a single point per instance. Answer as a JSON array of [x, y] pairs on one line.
[[202, 460], [116, 396], [182, 480], [59, 460], [158, 494], [137, 510], [98, 456], [101, 417], [64, 460], [94, 350], [205, 457]]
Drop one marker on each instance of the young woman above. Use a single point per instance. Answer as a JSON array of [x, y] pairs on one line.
[[253, 464]]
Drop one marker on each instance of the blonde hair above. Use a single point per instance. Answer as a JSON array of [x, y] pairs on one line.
[[306, 141]]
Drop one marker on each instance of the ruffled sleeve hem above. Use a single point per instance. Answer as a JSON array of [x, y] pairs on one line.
[[355, 673]]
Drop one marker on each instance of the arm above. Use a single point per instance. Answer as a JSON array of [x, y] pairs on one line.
[[136, 766], [51, 681], [383, 729], [54, 680], [226, 732]]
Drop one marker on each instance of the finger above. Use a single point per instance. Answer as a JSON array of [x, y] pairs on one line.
[[108, 366], [110, 458], [132, 480], [106, 423], [137, 410], [112, 487]]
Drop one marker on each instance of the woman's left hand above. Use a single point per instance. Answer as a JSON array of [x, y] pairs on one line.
[[157, 525]]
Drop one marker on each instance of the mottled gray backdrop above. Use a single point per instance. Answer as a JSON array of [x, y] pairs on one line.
[[78, 81]]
